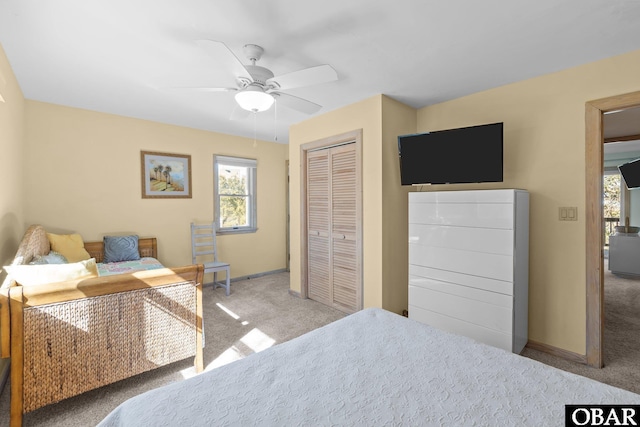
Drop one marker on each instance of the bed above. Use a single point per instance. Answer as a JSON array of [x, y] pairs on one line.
[[125, 267], [71, 336], [371, 368]]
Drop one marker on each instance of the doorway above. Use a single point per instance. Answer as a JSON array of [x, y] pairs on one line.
[[594, 158]]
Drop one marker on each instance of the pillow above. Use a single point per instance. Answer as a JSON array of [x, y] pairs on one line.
[[69, 245], [120, 248], [32, 275], [51, 258]]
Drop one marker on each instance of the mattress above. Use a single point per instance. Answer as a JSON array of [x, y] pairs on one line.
[[123, 267], [371, 368]]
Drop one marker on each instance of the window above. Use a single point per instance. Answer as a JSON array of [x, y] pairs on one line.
[[235, 194], [613, 201]]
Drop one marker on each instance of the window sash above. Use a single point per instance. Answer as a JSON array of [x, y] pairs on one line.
[[243, 172], [251, 209], [247, 214]]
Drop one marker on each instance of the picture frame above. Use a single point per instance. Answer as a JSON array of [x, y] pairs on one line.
[[165, 175]]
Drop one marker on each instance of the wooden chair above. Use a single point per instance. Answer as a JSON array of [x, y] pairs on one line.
[[203, 243]]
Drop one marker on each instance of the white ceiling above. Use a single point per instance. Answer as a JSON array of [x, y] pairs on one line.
[[125, 56], [623, 123], [620, 124]]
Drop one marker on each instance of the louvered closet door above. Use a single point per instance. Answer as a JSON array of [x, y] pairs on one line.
[[333, 222], [343, 228], [318, 217]]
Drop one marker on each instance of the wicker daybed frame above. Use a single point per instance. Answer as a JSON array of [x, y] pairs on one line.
[[70, 337]]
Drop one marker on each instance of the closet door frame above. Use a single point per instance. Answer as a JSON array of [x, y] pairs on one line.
[[354, 137]]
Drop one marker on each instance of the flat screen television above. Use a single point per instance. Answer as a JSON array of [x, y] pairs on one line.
[[454, 156], [631, 173]]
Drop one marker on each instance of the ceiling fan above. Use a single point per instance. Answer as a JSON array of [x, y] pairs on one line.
[[257, 87]]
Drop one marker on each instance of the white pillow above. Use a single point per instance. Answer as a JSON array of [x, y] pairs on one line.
[[31, 275]]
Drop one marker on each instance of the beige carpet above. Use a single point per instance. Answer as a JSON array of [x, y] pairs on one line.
[[260, 313]]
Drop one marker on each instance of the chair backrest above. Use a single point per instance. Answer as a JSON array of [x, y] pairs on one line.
[[203, 241]]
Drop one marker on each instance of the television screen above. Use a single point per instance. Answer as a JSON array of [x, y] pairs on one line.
[[454, 156], [631, 173]]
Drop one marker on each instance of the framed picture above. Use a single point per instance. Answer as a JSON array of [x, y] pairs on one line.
[[165, 175]]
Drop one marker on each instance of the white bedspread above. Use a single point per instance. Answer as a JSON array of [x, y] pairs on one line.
[[371, 368]]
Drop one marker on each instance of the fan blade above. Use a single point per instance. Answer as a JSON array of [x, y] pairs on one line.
[[296, 103], [306, 77], [205, 89], [220, 52]]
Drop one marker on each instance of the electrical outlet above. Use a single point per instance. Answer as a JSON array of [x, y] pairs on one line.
[[569, 213]]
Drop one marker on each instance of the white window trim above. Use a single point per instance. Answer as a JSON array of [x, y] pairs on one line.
[[252, 165]]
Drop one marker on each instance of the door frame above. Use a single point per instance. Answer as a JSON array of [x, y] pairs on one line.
[[288, 229], [594, 149], [355, 137]]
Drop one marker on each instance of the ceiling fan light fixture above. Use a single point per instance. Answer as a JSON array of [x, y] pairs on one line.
[[254, 99]]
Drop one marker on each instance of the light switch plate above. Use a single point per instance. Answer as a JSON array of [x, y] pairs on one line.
[[568, 213]]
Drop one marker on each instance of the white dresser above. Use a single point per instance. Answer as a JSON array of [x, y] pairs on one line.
[[469, 263]]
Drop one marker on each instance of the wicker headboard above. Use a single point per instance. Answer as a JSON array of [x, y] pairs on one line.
[[147, 246], [34, 242]]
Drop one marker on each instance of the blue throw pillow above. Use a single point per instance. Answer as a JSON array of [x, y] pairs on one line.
[[51, 258], [120, 248]]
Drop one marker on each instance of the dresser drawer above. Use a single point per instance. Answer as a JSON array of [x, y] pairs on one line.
[[491, 311], [492, 266], [460, 327], [417, 274], [488, 240], [483, 215]]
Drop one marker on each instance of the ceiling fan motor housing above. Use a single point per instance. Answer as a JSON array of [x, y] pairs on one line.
[[260, 75]]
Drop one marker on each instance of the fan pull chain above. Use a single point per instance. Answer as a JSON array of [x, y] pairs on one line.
[[275, 120], [255, 144]]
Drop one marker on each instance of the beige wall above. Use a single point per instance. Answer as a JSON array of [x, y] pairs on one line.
[[11, 147], [545, 153], [82, 175], [397, 119], [384, 203], [365, 115]]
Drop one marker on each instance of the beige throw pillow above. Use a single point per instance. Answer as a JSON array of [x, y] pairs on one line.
[[69, 245]]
